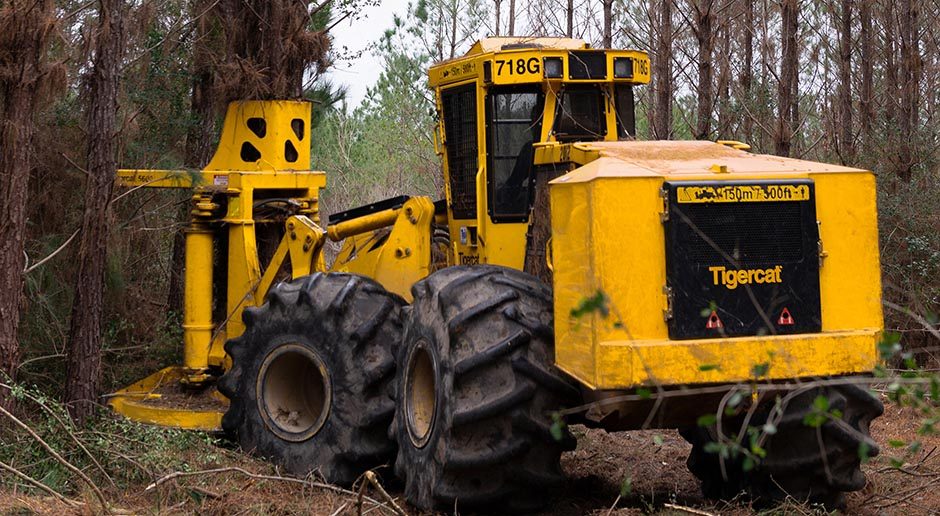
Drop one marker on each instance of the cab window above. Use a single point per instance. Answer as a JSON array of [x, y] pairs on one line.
[[514, 123], [580, 114]]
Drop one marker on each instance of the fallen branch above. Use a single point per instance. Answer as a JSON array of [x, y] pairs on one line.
[[37, 484], [65, 427], [232, 469], [370, 476], [57, 457], [688, 510]]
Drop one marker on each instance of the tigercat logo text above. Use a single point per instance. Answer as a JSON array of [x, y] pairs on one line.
[[732, 278]]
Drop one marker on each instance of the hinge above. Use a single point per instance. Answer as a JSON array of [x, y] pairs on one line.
[[664, 215], [667, 312], [822, 252]]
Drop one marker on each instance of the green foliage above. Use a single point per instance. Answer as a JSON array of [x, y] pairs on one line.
[[596, 303], [128, 452]]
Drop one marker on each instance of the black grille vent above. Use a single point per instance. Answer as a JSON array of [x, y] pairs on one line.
[[460, 138], [755, 233]]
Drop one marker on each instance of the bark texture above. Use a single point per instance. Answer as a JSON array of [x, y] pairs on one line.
[[787, 85], [705, 36], [26, 28], [84, 346], [662, 71]]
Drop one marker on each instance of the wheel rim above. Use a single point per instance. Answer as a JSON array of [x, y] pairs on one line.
[[420, 394], [293, 392]]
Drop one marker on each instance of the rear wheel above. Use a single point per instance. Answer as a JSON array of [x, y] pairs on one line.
[[477, 386], [806, 463], [310, 377]]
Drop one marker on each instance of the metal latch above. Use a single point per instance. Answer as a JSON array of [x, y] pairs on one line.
[[667, 311], [822, 252]]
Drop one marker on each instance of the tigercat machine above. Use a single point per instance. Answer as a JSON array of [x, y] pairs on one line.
[[570, 275]]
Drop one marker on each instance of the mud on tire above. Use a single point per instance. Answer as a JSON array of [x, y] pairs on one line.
[[476, 386], [310, 377], [804, 463]]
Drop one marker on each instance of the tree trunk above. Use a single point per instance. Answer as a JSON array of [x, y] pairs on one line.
[[28, 26], [787, 85], [910, 86], [570, 19], [724, 82], [608, 23], [705, 36], [512, 17], [866, 38], [662, 72], [747, 72], [846, 138], [496, 13], [84, 346]]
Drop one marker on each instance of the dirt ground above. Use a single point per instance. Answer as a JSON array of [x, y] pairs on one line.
[[652, 461]]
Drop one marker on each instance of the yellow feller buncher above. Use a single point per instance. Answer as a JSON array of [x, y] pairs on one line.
[[570, 275]]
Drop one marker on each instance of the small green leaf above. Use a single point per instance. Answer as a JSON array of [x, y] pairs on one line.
[[658, 440], [821, 403], [897, 463], [708, 367], [747, 464], [558, 427], [643, 393], [713, 447], [814, 420], [595, 303], [735, 399], [896, 443], [864, 452], [760, 370], [707, 420], [626, 487]]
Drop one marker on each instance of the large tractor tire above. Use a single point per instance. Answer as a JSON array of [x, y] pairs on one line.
[[310, 377], [477, 388], [804, 463]]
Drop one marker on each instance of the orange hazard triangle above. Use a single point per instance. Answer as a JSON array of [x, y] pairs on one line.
[[785, 318], [714, 322]]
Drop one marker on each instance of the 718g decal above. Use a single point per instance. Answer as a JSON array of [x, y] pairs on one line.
[[521, 66]]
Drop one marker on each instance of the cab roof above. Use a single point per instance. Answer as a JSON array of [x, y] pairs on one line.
[[487, 45]]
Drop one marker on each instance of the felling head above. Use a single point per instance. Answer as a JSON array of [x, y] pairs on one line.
[[264, 135]]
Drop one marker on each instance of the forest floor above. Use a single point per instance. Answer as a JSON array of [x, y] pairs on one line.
[[214, 480]]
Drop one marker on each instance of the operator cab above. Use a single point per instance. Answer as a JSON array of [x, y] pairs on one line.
[[507, 100]]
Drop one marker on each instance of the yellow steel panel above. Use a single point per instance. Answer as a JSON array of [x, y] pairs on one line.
[[132, 402], [629, 256], [625, 364], [244, 145], [850, 276], [161, 178], [574, 278]]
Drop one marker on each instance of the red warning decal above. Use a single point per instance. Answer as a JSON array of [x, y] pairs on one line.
[[714, 322], [785, 318]]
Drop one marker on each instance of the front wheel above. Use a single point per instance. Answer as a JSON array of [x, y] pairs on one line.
[[311, 376], [477, 388]]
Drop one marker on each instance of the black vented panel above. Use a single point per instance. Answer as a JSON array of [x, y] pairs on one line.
[[460, 140], [740, 261], [756, 232], [587, 64]]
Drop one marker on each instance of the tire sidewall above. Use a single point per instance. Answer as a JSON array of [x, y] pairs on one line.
[[420, 333]]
